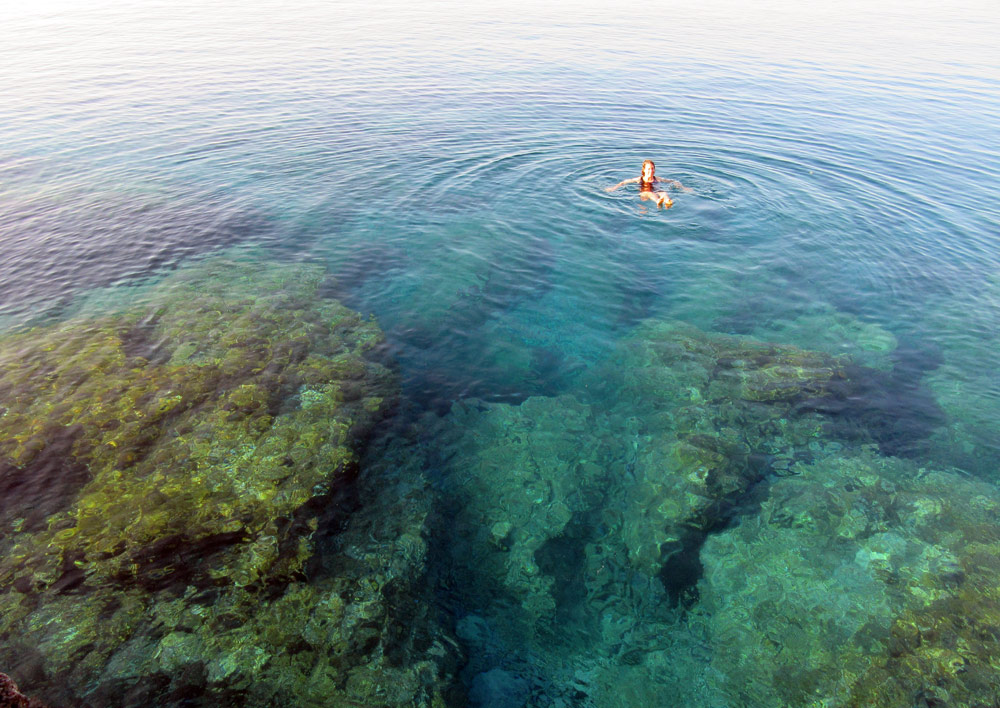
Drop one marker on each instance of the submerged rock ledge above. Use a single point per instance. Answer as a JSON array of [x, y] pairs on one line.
[[693, 522], [864, 581], [171, 465]]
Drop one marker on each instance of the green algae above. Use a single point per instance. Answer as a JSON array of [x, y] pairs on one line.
[[524, 471], [864, 581], [718, 414], [136, 414], [175, 461]]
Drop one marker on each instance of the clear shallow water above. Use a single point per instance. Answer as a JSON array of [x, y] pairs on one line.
[[446, 166]]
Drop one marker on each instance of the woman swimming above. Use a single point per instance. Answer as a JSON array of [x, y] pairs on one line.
[[647, 181]]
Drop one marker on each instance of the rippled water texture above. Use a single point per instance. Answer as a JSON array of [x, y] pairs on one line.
[[330, 374]]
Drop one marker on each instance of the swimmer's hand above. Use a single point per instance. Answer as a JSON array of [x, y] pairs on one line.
[[621, 184]]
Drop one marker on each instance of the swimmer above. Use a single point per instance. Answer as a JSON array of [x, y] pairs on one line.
[[647, 181]]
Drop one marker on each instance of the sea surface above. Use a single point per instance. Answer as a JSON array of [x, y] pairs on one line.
[[631, 443]]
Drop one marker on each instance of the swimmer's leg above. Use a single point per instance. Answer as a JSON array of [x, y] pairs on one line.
[[662, 199]]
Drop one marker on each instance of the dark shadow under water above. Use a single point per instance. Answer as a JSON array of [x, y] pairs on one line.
[[893, 409], [52, 252]]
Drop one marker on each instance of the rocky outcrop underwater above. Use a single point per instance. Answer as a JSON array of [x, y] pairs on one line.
[[864, 581], [173, 470], [203, 515], [10, 697], [696, 525]]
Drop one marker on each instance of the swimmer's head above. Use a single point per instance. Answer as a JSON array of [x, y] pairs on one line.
[[648, 170]]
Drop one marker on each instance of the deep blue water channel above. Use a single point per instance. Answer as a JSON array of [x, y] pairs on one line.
[[743, 451]]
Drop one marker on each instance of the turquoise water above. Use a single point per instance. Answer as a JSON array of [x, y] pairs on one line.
[[443, 167]]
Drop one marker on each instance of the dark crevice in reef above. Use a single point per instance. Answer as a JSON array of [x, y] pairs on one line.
[[892, 409], [682, 568], [139, 341], [564, 558]]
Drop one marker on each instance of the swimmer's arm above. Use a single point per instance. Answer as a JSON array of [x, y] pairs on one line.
[[674, 183], [622, 184]]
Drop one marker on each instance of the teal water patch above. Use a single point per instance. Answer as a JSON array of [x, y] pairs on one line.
[[469, 316]]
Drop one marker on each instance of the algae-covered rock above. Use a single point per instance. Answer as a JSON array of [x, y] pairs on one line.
[[516, 475], [709, 415], [826, 329], [966, 385], [864, 581], [240, 381], [171, 464], [673, 361], [575, 522], [969, 394]]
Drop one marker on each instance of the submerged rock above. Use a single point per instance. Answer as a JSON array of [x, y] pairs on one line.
[[825, 329], [576, 522], [707, 417], [864, 581], [10, 697], [516, 475], [172, 464], [966, 385], [497, 688]]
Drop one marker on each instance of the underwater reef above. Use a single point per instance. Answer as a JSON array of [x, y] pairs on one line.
[[694, 524], [966, 384], [865, 580], [520, 475], [708, 416], [206, 516], [176, 465], [584, 515]]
